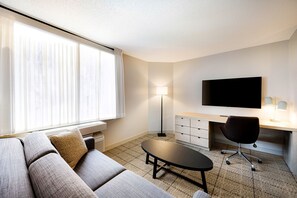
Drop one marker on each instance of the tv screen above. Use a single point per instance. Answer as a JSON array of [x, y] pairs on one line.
[[234, 92]]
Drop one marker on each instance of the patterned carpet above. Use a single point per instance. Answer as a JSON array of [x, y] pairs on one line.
[[272, 178]]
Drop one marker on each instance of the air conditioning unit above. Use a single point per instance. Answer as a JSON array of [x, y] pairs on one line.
[[99, 141]]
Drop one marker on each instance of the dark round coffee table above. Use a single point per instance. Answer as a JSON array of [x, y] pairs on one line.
[[176, 155]]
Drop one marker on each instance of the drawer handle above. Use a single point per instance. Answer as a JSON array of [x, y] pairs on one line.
[[199, 137], [182, 125], [182, 133], [181, 118], [198, 120], [198, 128]]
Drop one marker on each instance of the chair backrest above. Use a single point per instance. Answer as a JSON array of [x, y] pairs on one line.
[[241, 129]]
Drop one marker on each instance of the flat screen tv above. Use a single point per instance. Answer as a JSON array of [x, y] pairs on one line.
[[233, 92]]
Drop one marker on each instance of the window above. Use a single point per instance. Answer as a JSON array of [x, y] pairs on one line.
[[54, 81], [97, 84]]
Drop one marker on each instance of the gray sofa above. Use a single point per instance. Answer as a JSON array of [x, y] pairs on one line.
[[33, 168]]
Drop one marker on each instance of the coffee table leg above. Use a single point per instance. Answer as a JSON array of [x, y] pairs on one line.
[[147, 158], [155, 168], [204, 181]]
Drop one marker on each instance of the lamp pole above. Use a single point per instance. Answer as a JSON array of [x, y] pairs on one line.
[[162, 91], [161, 134]]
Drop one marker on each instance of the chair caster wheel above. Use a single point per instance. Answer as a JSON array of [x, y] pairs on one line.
[[260, 161], [253, 169], [227, 162], [222, 152]]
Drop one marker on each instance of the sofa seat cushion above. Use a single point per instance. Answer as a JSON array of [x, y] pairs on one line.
[[37, 145], [52, 177], [95, 169], [128, 184], [14, 177], [70, 145]]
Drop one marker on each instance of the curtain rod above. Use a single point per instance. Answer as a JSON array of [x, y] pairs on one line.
[[53, 26]]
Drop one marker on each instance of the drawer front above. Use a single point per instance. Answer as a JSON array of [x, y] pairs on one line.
[[200, 141], [199, 132], [182, 129], [196, 123], [182, 137], [179, 120]]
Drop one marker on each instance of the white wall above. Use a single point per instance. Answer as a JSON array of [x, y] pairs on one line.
[[269, 61], [293, 76], [160, 74], [290, 154], [136, 99], [184, 81]]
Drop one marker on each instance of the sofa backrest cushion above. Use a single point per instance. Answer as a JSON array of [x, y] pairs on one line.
[[37, 145], [70, 145], [14, 177], [52, 177]]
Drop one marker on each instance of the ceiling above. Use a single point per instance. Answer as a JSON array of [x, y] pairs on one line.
[[169, 30]]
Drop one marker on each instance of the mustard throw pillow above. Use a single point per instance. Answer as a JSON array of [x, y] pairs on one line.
[[70, 145]]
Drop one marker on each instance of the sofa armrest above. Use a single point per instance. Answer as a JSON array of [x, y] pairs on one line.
[[90, 142]]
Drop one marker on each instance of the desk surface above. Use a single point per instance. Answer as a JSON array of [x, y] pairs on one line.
[[266, 124]]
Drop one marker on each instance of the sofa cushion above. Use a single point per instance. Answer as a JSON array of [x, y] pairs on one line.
[[201, 194], [128, 184], [95, 169], [52, 177], [14, 177], [70, 145], [37, 145]]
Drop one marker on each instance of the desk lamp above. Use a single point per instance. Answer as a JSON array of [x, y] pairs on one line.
[[281, 105]]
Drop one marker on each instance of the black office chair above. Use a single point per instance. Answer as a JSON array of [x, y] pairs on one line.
[[242, 130]]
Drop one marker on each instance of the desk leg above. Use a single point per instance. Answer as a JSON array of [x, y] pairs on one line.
[[204, 181], [155, 168], [147, 158]]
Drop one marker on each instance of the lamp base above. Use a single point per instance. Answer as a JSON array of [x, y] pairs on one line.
[[161, 135]]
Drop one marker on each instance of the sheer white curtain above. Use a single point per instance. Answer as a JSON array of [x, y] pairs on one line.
[[97, 84], [44, 79], [6, 35], [120, 86], [50, 81], [89, 83]]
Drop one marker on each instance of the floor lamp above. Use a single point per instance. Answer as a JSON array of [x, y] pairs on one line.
[[162, 91]]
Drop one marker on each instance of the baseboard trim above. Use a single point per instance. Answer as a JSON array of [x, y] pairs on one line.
[[125, 141]]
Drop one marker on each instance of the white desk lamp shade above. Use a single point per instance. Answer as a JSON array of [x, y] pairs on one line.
[[282, 105], [162, 90], [268, 100]]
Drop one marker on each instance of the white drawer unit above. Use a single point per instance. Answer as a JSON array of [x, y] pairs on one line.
[[200, 141], [182, 129], [199, 132], [182, 137], [193, 131], [184, 121], [197, 123]]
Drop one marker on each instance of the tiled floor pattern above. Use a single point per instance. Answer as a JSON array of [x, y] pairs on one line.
[[272, 178]]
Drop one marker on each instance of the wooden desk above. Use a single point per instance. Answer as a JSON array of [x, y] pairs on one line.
[[195, 129], [266, 124]]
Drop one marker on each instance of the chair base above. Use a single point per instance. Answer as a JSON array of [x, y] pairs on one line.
[[241, 154]]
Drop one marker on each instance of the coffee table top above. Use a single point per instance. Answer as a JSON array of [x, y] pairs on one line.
[[177, 155]]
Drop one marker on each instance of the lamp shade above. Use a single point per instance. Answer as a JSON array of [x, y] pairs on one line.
[[162, 90], [268, 100], [282, 105]]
